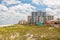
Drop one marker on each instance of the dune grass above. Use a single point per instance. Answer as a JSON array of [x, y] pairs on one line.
[[24, 32]]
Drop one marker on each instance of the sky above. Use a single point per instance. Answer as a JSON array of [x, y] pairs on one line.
[[11, 11]]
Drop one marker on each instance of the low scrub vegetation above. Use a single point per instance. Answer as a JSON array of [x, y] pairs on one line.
[[28, 32]]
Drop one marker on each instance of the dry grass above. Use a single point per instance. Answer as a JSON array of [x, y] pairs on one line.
[[28, 32]]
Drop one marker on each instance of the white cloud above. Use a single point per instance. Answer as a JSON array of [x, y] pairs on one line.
[[38, 2], [23, 8], [50, 11], [11, 1], [8, 16], [2, 7], [51, 3], [53, 6], [14, 13], [55, 12]]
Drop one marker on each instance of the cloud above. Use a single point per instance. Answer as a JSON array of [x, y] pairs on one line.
[[8, 16], [55, 12], [51, 3], [10, 2], [2, 7], [38, 2], [23, 8], [20, 7], [12, 14], [50, 11], [53, 6]]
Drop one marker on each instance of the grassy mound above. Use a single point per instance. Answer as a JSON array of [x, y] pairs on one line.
[[28, 32]]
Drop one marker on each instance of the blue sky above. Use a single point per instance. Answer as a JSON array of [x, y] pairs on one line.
[[11, 11]]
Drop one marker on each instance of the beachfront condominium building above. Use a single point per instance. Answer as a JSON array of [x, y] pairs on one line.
[[29, 19], [49, 17], [38, 16]]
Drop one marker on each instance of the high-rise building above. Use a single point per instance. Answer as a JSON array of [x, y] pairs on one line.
[[38, 16], [34, 17], [29, 19], [50, 17]]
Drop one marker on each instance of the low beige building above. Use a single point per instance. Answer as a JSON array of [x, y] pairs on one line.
[[22, 22]]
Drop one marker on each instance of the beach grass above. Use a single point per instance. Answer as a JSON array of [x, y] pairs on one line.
[[29, 32]]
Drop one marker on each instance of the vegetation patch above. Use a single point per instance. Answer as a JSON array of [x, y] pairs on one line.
[[29, 32]]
